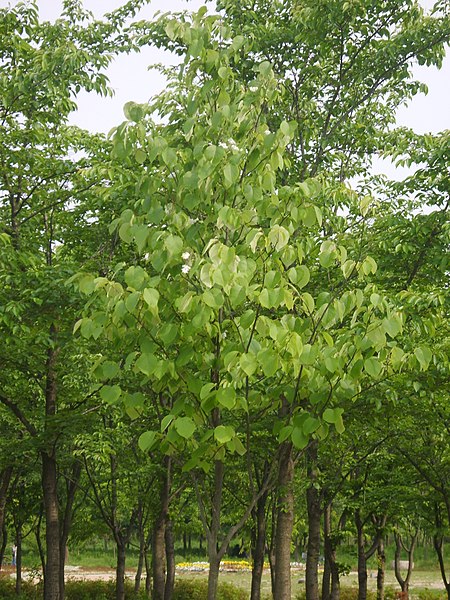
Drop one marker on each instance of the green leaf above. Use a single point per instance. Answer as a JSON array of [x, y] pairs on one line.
[[151, 297], [268, 359], [185, 427], [299, 439], [224, 433], [278, 237], [135, 277], [110, 369], [424, 356], [147, 363], [334, 416], [248, 363], [110, 393], [373, 367], [147, 440], [226, 396], [166, 422]]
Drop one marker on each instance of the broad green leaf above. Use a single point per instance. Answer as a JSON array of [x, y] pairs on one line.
[[135, 277], [151, 297], [424, 356], [248, 363], [278, 237], [147, 363], [110, 393], [110, 369], [224, 433], [299, 439], [226, 396], [147, 440], [185, 427], [373, 367]]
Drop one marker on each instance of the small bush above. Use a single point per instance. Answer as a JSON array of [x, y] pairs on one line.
[[190, 589]]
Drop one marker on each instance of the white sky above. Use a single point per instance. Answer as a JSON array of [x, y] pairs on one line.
[[131, 80]]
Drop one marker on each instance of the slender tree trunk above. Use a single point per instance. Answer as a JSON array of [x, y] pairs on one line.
[[19, 560], [53, 556], [362, 563], [159, 558], [213, 576], [271, 546], [213, 533], [330, 581], [140, 567], [314, 517], [49, 484], [438, 542], [120, 568], [285, 523], [3, 544], [381, 560], [5, 479], [170, 561], [71, 489], [159, 536], [258, 547], [404, 583], [148, 576]]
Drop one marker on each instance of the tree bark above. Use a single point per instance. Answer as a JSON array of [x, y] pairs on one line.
[[170, 561], [314, 517], [19, 560], [53, 556], [404, 583], [330, 581], [259, 543], [5, 479], [159, 558], [213, 532], [285, 523], [381, 560], [159, 535], [120, 569], [362, 563], [71, 489]]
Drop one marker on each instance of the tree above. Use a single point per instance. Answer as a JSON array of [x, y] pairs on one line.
[[43, 66]]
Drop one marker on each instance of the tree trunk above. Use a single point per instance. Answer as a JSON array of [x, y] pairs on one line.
[[326, 576], [3, 544], [404, 583], [362, 563], [213, 577], [381, 560], [5, 479], [148, 576], [140, 567], [170, 561], [71, 489], [120, 569], [314, 516], [330, 581], [271, 547], [213, 533], [285, 523], [53, 557], [19, 559], [259, 543], [159, 536], [159, 558], [438, 542]]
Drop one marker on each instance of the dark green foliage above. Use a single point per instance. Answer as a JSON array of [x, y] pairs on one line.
[[351, 593], [189, 589], [185, 589]]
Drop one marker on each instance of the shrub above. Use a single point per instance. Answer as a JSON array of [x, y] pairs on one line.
[[190, 589]]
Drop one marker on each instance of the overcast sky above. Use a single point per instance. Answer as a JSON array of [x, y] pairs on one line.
[[131, 80]]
